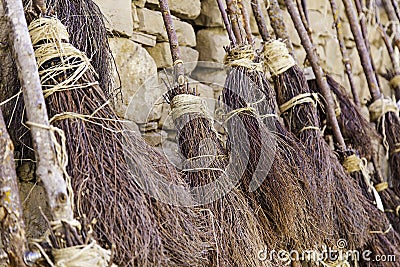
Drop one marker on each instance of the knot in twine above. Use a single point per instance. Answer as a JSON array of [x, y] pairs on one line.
[[395, 82], [353, 164], [91, 255], [277, 57], [242, 56], [300, 99], [380, 107], [188, 104], [44, 29]]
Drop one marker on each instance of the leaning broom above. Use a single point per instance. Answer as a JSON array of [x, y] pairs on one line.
[[274, 164], [234, 224], [107, 181], [379, 235]]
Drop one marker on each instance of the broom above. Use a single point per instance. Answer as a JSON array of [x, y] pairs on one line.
[[298, 106], [385, 239], [383, 111], [85, 20], [245, 103], [323, 183], [109, 182], [235, 225], [352, 123], [348, 111]]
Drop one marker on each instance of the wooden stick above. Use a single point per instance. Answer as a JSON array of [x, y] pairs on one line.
[[48, 170], [225, 19], [343, 50], [387, 4], [319, 73], [261, 23], [235, 22], [363, 25], [173, 40], [277, 23], [362, 50], [396, 8], [12, 225], [246, 21]]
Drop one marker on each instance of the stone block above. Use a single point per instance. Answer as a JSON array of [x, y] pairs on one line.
[[118, 16]]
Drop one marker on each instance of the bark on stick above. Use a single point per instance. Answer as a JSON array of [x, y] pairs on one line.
[[319, 73], [12, 225], [48, 170]]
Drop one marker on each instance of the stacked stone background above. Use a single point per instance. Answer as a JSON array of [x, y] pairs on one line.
[[140, 47]]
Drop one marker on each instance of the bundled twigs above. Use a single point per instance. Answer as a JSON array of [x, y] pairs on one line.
[[383, 111], [251, 108], [283, 68], [12, 225], [233, 221], [49, 170], [382, 239], [108, 182]]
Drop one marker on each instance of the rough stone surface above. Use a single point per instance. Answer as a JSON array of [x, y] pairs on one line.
[[181, 8], [148, 127], [171, 151], [162, 55], [151, 22], [210, 15], [138, 74], [119, 16], [32, 197], [139, 3], [155, 138], [210, 44]]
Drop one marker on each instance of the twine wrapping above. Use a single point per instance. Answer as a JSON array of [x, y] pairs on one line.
[[48, 29], [378, 110], [395, 82], [188, 104], [382, 232], [91, 255], [355, 164], [300, 99], [380, 107], [61, 154], [277, 57], [71, 60], [382, 186], [242, 56]]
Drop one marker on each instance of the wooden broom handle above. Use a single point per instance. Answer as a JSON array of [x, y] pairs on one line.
[[343, 50], [236, 25], [260, 19], [227, 24], [172, 37], [362, 50], [319, 74], [246, 21], [278, 24]]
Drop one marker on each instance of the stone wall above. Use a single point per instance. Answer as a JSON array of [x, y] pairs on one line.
[[140, 48]]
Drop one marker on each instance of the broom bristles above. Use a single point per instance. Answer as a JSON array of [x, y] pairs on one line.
[[349, 216], [234, 220], [284, 194], [144, 231]]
